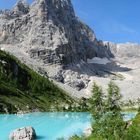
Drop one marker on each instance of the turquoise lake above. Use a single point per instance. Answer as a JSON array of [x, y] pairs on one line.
[[49, 126]]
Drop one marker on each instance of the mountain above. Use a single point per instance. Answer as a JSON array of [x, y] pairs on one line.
[[49, 38], [49, 30]]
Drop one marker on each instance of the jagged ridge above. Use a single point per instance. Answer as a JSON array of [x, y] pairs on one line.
[[49, 29]]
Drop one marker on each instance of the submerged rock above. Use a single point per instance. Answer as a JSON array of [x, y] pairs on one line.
[[26, 133]]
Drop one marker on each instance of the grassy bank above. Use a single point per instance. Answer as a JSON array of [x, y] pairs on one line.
[[22, 89]]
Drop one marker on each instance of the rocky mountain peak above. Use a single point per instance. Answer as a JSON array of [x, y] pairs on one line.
[[20, 8], [50, 31], [53, 9], [55, 3]]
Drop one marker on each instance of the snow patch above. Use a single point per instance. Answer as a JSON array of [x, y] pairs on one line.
[[97, 60]]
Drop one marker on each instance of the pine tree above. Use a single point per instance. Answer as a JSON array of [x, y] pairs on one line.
[[108, 122], [113, 97], [97, 105]]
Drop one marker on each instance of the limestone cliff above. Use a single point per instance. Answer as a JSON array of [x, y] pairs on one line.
[[49, 30]]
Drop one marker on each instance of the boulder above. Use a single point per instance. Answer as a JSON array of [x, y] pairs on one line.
[[87, 132], [25, 133]]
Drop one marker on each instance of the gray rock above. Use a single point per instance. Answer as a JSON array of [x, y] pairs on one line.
[[79, 84], [26, 133], [51, 31], [127, 50], [59, 77], [20, 8]]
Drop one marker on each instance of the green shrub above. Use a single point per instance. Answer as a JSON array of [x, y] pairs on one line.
[[133, 131]]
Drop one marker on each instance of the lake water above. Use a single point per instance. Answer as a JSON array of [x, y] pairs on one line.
[[49, 126]]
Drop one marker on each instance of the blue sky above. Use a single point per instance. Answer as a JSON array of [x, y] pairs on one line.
[[112, 20]]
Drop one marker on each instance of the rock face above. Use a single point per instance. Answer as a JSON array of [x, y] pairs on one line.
[[26, 133], [49, 30], [127, 50]]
